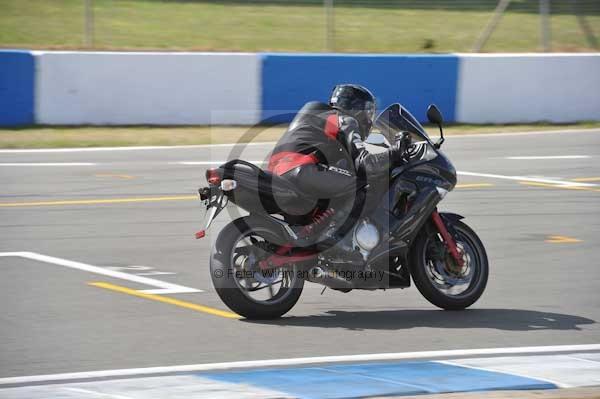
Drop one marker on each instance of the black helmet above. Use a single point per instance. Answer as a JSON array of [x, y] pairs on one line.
[[357, 101]]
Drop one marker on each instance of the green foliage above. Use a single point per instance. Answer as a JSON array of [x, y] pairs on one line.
[[293, 25]]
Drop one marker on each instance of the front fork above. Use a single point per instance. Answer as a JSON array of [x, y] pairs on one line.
[[448, 239], [425, 204]]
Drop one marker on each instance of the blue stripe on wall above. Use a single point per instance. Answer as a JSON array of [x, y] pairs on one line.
[[17, 74], [360, 380], [291, 80]]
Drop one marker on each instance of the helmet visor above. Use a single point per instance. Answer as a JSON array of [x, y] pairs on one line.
[[353, 105]]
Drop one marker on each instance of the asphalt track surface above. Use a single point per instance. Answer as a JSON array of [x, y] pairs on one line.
[[134, 211]]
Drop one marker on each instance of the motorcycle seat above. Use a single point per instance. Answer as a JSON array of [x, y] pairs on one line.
[[277, 183], [261, 190]]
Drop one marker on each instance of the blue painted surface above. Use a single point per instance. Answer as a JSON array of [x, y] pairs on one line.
[[17, 77], [359, 380], [291, 80]]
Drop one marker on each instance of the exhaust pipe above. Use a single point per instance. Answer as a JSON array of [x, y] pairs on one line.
[[328, 278]]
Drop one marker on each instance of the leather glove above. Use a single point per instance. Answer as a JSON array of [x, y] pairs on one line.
[[402, 141]]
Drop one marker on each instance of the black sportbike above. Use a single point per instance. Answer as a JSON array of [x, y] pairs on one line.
[[381, 235]]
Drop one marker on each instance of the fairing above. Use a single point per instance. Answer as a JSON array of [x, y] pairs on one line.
[[396, 118]]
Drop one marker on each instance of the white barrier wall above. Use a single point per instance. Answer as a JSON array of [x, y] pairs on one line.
[[511, 88], [147, 88], [108, 88]]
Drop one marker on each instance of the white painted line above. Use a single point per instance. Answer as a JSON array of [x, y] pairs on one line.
[[164, 291], [550, 157], [47, 164], [296, 362], [525, 178], [209, 162], [163, 287], [139, 148], [526, 133]]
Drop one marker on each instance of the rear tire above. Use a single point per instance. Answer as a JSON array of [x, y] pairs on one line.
[[223, 273], [425, 279]]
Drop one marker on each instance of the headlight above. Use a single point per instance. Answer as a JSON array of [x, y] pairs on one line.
[[428, 153], [422, 151]]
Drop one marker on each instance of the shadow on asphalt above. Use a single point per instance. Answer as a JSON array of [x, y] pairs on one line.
[[499, 319]]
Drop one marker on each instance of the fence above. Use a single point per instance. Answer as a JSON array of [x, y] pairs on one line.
[[374, 26]]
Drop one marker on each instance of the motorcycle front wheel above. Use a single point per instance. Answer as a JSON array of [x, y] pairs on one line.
[[239, 282], [437, 275]]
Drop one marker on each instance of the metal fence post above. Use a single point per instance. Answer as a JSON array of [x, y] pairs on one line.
[[329, 26], [489, 29], [89, 23], [545, 25], [587, 30]]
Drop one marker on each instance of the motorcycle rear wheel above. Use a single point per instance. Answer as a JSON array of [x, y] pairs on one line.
[[235, 274], [439, 279]]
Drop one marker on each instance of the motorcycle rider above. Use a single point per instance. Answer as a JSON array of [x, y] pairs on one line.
[[323, 151]]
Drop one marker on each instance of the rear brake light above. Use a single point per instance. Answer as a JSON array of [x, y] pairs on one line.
[[212, 176]]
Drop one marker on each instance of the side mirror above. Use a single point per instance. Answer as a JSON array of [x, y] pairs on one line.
[[435, 116]]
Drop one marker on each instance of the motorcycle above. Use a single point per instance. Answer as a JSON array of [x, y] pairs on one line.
[[392, 235]]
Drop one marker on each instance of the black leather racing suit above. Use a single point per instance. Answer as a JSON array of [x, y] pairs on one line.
[[323, 153]]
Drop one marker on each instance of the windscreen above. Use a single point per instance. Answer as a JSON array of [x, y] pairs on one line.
[[396, 118]]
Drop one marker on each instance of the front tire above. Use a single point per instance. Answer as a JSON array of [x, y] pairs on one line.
[[437, 276], [235, 277]]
